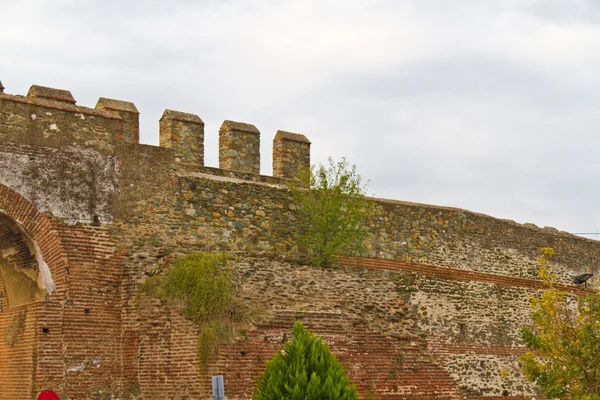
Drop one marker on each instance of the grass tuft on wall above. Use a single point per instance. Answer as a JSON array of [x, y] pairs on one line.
[[203, 284]]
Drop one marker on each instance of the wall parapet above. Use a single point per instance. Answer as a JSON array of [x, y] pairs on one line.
[[181, 132], [62, 106], [240, 176]]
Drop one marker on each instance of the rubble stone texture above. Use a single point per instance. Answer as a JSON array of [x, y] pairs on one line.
[[128, 113], [433, 311], [184, 132], [291, 154], [239, 147]]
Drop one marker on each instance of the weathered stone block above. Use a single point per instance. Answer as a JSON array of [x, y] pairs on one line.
[[239, 147], [130, 115], [291, 154], [36, 91], [183, 133]]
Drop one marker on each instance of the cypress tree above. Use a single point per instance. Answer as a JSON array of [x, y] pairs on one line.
[[304, 370]]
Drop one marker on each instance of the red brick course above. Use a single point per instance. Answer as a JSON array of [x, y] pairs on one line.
[[456, 274]]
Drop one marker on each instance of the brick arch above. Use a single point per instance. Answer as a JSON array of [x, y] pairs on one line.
[[40, 229], [30, 342]]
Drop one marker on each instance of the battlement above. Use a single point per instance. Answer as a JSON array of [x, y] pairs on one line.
[[291, 154], [115, 122], [42, 92]]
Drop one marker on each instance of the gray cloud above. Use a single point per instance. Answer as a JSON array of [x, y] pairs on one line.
[[485, 105]]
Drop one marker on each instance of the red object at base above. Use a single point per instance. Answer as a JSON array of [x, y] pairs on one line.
[[48, 395]]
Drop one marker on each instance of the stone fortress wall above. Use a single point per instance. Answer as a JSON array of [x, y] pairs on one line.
[[433, 311]]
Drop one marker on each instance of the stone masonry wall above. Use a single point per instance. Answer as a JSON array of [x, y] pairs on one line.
[[433, 309]]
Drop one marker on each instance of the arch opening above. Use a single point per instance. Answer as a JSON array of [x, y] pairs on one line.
[[26, 277]]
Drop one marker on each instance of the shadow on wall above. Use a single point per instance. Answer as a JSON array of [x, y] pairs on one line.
[[20, 288], [21, 266]]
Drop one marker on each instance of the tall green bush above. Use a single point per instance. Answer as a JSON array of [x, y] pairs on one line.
[[304, 370]]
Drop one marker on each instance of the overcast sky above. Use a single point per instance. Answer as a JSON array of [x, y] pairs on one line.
[[491, 106]]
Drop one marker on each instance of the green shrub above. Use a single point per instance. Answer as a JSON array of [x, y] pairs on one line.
[[304, 370], [333, 212], [203, 282]]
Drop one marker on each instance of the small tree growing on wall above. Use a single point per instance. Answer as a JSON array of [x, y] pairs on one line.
[[332, 213], [564, 361], [304, 370]]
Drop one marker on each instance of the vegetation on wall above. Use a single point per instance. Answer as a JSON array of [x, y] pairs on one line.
[[564, 361], [304, 370], [203, 283], [332, 213]]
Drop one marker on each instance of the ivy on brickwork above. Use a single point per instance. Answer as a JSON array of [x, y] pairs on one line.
[[304, 370], [333, 213], [564, 361], [204, 283]]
